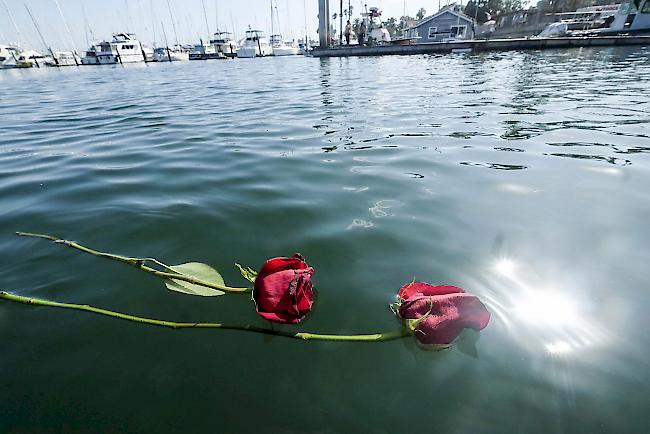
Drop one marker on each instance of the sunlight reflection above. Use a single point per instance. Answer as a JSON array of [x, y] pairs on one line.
[[505, 267], [541, 313], [558, 348], [547, 309]]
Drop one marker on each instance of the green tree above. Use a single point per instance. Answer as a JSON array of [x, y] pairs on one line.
[[392, 26], [421, 13]]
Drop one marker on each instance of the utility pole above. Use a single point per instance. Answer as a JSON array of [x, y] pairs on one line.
[[324, 23], [341, 25]]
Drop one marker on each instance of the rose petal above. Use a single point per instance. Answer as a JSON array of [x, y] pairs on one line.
[[446, 316], [284, 296], [296, 262], [411, 289]]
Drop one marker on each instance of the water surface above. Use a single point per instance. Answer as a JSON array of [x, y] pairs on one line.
[[522, 177]]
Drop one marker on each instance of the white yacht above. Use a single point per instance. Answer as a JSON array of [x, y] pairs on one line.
[[282, 47], [8, 56], [65, 58], [205, 52], [255, 44], [31, 58], [628, 17], [124, 48], [223, 43], [90, 56], [177, 53]]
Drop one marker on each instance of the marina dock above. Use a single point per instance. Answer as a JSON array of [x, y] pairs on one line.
[[482, 45]]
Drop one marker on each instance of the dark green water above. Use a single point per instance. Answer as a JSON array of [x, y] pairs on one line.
[[522, 177]]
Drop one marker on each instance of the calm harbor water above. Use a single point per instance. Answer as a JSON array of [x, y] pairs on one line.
[[522, 177]]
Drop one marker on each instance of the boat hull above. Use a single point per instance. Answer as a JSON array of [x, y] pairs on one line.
[[250, 52], [112, 59], [285, 51]]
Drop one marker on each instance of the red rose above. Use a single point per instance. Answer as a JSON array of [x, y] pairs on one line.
[[447, 310], [283, 290]]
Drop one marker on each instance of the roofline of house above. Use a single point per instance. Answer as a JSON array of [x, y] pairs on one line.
[[440, 12]]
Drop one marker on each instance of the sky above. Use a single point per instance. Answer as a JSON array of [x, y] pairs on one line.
[[148, 18]]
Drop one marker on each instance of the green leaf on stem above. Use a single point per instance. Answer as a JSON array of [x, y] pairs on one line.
[[198, 271], [247, 273]]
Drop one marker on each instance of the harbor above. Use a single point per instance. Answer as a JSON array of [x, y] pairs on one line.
[[433, 222], [453, 28], [485, 45]]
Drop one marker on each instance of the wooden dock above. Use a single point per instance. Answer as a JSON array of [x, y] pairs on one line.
[[482, 45]]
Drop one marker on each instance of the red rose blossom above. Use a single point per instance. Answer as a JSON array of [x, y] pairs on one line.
[[447, 311], [283, 290]]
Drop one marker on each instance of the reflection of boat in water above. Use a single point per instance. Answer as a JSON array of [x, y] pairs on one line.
[[629, 17], [8, 56], [223, 43], [282, 47], [124, 48], [254, 44]]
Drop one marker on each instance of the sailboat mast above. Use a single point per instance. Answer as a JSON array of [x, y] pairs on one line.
[[272, 33], [65, 23], [277, 17], [232, 23], [205, 16], [171, 15], [38, 29], [83, 11], [216, 14], [13, 22], [153, 22]]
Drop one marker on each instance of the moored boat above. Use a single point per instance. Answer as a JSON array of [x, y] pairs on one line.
[[205, 52], [282, 47], [8, 56], [177, 53], [223, 43], [65, 58], [255, 44], [631, 17], [31, 58], [124, 48], [90, 56]]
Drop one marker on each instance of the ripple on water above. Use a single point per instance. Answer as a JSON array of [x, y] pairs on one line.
[[373, 168]]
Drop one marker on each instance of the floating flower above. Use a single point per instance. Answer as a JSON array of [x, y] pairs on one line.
[[438, 314], [283, 289]]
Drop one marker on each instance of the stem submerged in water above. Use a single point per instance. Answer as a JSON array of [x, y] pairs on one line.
[[139, 263], [375, 337]]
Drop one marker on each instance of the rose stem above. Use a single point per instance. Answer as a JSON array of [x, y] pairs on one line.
[[375, 337], [138, 263]]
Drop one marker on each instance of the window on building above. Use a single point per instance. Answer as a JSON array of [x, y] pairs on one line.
[[432, 32], [458, 31]]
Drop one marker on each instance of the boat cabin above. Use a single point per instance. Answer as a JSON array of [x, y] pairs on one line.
[[254, 35]]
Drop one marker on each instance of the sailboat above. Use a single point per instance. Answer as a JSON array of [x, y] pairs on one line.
[[280, 46]]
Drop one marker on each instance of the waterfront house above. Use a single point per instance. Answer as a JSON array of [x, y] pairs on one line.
[[447, 24]]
